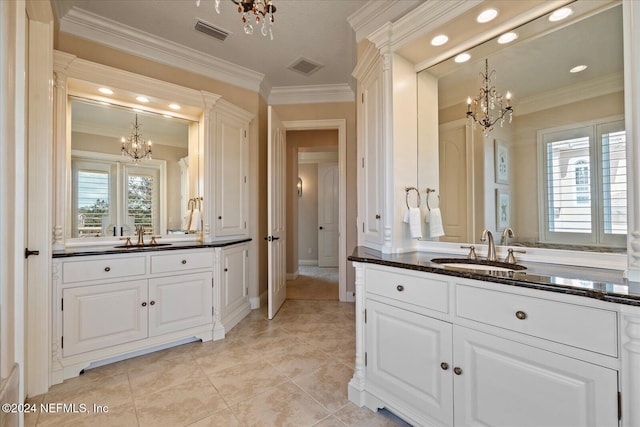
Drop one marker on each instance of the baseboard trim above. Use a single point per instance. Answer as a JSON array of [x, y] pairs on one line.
[[292, 276], [254, 302], [310, 262]]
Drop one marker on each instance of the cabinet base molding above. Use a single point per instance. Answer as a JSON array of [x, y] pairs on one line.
[[69, 367]]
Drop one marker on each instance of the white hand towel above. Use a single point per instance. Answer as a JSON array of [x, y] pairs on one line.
[[412, 217], [196, 218], [186, 223], [434, 218]]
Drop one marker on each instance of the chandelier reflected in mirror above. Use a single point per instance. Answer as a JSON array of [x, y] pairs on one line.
[[260, 11], [136, 146], [489, 106]]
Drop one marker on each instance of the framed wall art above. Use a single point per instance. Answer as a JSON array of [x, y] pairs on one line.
[[501, 162], [503, 209]]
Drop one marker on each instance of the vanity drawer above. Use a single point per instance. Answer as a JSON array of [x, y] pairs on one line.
[[107, 268], [181, 262], [588, 328], [410, 287]]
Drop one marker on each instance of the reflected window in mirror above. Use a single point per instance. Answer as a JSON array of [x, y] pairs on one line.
[[110, 192]]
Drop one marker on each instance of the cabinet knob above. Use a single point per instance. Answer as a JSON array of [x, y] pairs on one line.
[[219, 217], [184, 261], [444, 366], [457, 371], [226, 269], [152, 303], [400, 288], [107, 269], [144, 304], [521, 315], [377, 216]]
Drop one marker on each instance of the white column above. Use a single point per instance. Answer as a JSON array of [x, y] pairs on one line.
[[357, 384], [630, 378]]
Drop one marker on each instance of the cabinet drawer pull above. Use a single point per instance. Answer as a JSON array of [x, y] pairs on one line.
[[400, 288], [152, 303], [144, 304], [444, 366], [184, 261], [107, 269], [521, 315], [457, 371]]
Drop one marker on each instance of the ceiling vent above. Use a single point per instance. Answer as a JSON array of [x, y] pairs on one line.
[[210, 30], [305, 66]]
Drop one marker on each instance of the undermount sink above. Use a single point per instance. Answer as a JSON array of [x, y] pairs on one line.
[[145, 246], [477, 265]]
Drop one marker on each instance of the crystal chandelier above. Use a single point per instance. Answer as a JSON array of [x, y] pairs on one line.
[[135, 146], [261, 11], [489, 105]]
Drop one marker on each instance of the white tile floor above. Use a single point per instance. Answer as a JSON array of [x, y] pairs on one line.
[[291, 371]]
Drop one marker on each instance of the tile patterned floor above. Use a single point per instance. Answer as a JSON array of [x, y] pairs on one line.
[[291, 371], [314, 283]]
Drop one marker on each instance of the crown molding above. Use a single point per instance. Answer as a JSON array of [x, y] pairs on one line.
[[374, 13], [311, 94], [611, 83], [98, 29]]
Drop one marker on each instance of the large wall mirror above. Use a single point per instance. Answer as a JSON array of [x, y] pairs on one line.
[[556, 174], [111, 192]]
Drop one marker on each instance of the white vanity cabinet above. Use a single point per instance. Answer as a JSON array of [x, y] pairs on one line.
[[121, 304], [446, 351], [234, 285], [230, 165]]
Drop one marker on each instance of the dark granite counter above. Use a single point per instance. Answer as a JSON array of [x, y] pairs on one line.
[[111, 250], [602, 284]]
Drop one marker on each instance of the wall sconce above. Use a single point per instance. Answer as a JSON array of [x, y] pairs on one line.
[[299, 187]]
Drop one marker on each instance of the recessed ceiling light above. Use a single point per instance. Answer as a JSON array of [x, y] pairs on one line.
[[463, 57], [560, 14], [439, 40], [507, 38], [487, 15], [174, 106], [578, 68], [142, 99], [105, 90]]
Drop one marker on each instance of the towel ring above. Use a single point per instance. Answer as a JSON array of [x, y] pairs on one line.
[[431, 190], [406, 198]]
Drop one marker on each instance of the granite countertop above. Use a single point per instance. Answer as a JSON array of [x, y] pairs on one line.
[[111, 250], [602, 284]]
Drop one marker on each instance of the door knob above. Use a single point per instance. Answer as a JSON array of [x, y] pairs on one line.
[[321, 228]]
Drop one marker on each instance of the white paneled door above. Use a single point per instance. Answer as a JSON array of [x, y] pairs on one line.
[[328, 185], [276, 173]]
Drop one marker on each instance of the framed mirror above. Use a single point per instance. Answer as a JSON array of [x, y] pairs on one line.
[[556, 174], [112, 192]]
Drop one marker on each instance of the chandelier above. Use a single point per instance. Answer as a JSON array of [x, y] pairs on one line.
[[135, 146], [260, 11], [489, 107]]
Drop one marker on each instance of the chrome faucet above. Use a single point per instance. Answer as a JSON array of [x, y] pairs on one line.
[[140, 234], [507, 233], [491, 246]]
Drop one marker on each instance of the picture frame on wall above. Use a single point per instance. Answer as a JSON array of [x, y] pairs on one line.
[[503, 209], [501, 162]]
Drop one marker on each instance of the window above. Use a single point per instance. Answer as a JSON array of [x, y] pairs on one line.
[[584, 177], [111, 197]]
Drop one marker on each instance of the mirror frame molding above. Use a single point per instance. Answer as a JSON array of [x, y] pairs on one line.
[[66, 67], [431, 16]]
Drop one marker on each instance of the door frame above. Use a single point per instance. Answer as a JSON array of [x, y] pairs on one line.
[[341, 126]]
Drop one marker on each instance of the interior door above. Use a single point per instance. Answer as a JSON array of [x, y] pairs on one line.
[[328, 214], [276, 172], [453, 185]]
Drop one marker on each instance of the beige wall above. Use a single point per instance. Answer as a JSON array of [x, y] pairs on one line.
[[342, 110]]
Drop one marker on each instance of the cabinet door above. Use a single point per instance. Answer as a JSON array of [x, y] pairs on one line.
[[234, 279], [100, 316], [404, 356], [503, 383], [180, 302], [371, 134], [231, 176]]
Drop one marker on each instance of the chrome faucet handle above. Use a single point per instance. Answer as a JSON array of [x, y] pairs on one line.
[[472, 252], [511, 258], [128, 241]]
